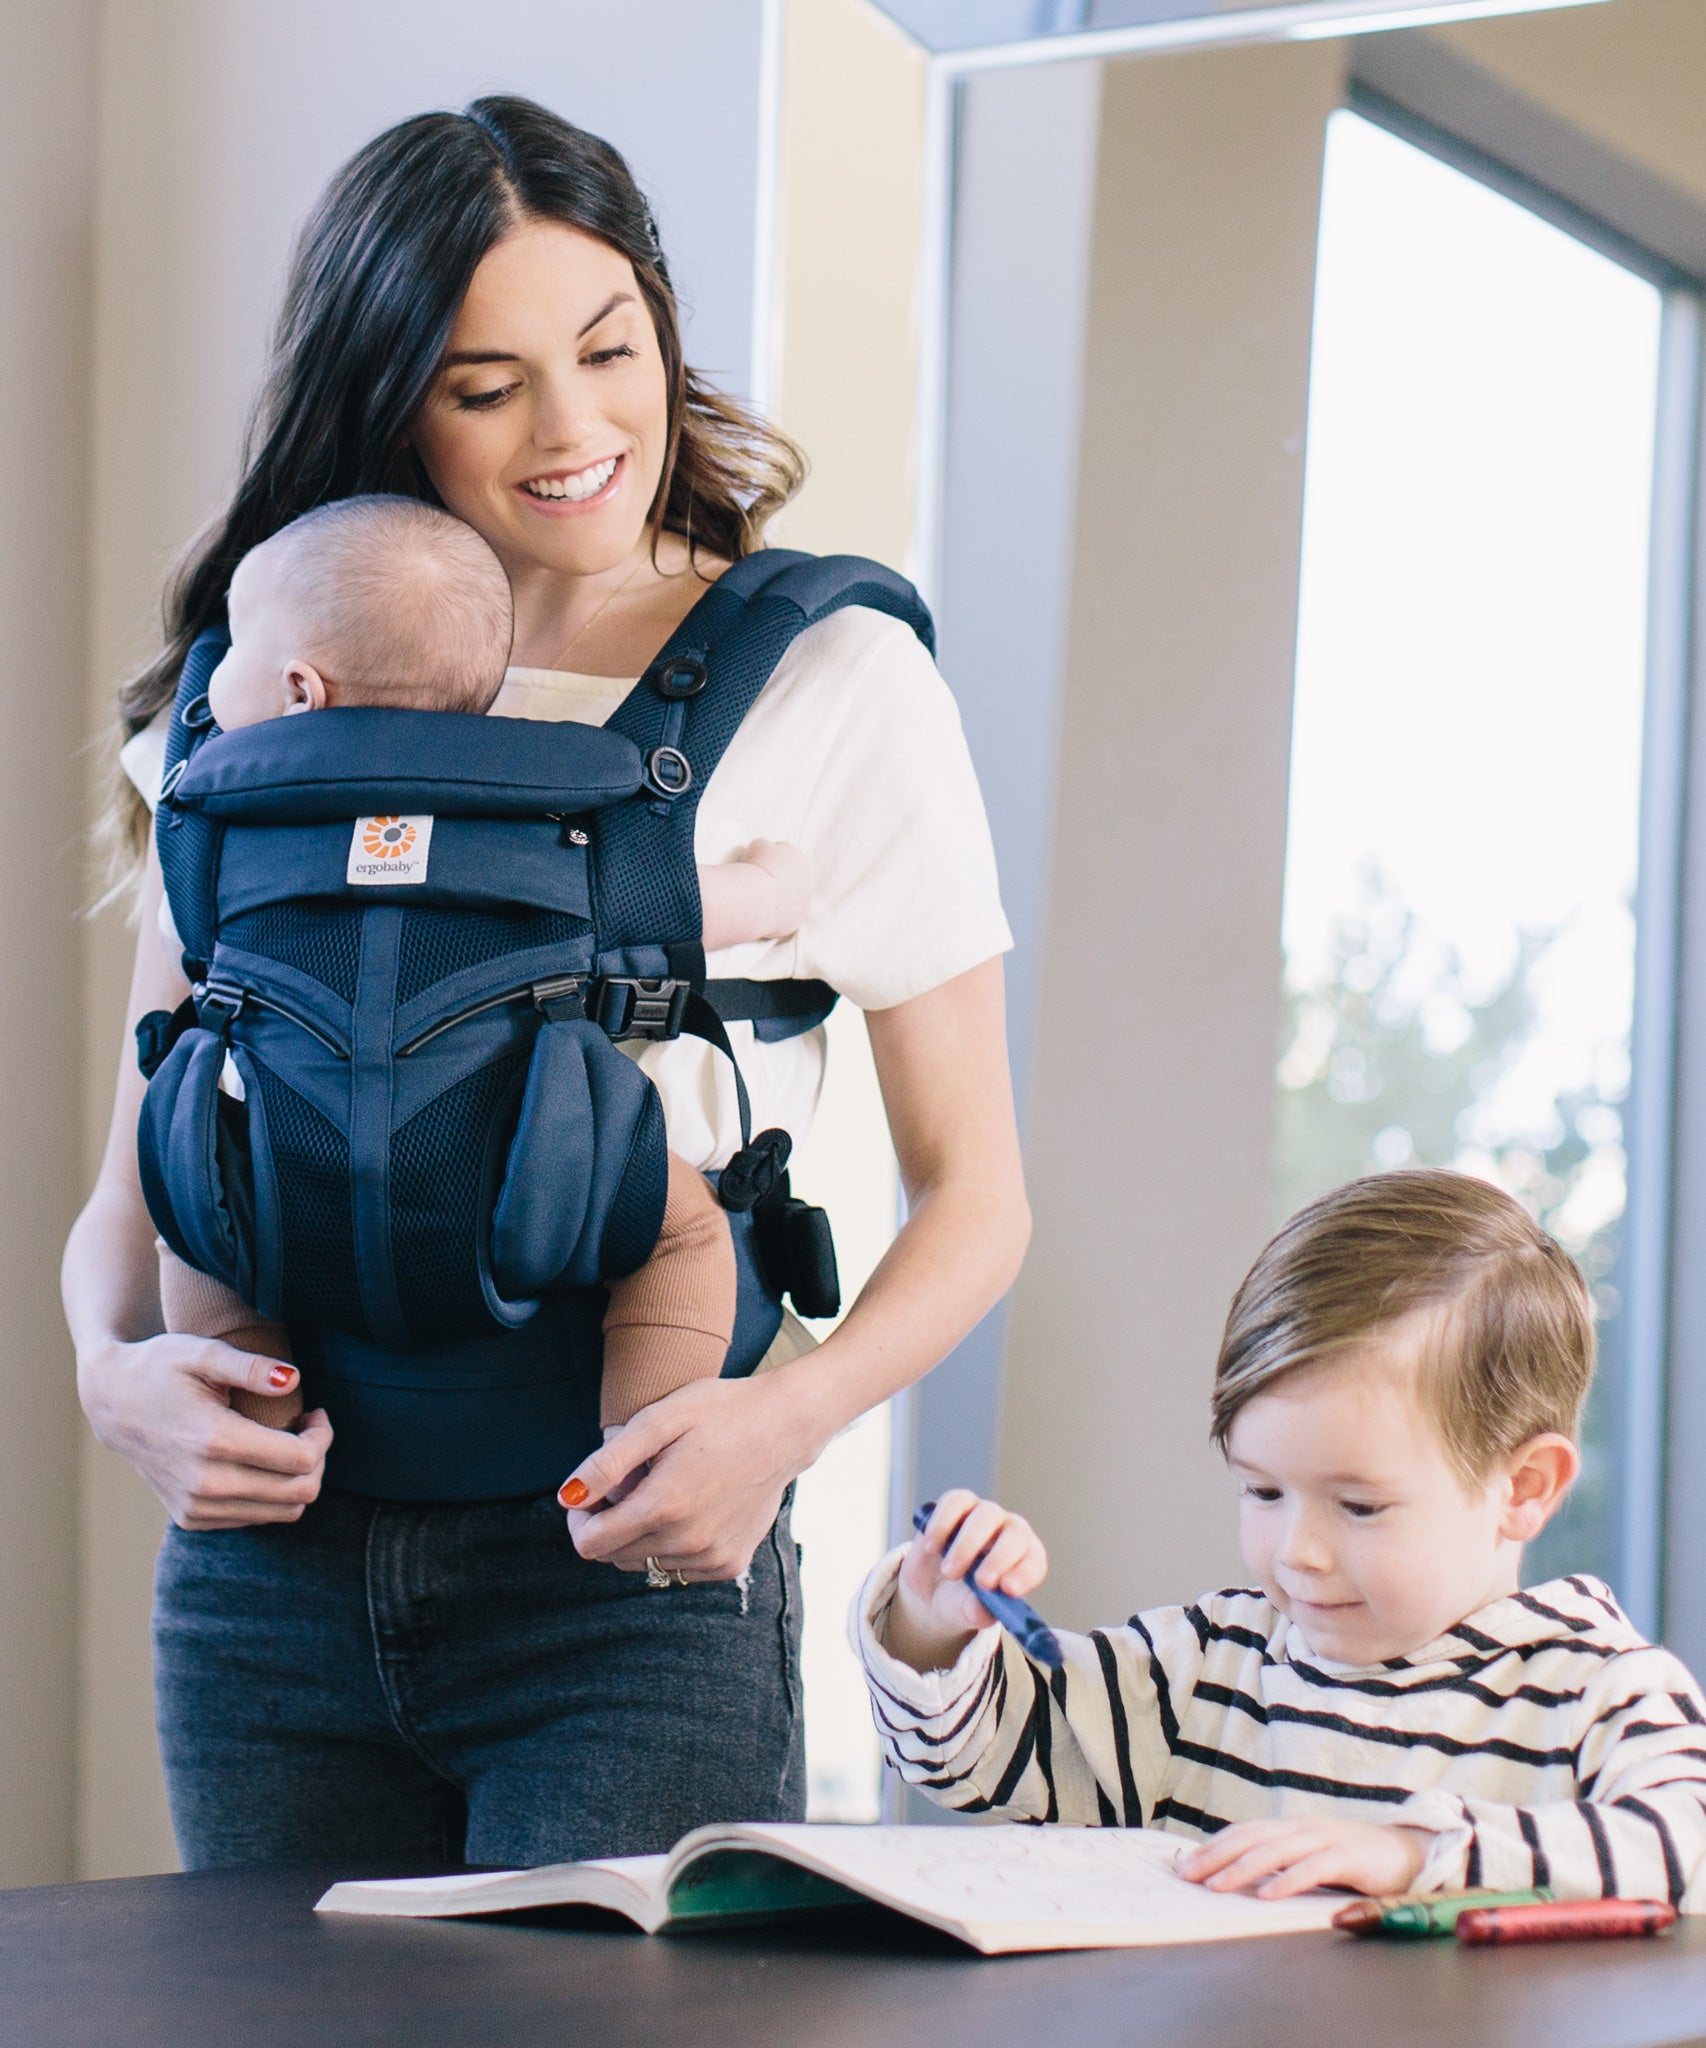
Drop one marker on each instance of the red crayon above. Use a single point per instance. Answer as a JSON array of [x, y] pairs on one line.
[[1564, 1920]]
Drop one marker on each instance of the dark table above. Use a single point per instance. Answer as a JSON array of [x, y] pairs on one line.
[[202, 1962]]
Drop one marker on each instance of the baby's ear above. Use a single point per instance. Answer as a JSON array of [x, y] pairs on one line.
[[1537, 1477], [304, 689]]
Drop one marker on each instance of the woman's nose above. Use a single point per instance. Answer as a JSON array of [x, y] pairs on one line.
[[563, 417]]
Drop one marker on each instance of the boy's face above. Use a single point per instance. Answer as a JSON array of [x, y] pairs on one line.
[[263, 673], [1351, 1516]]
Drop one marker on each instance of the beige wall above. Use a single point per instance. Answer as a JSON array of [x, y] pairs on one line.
[[46, 148], [1148, 1131], [1632, 74]]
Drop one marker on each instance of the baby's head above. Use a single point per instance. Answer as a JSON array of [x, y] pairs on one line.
[[1398, 1393], [376, 600]]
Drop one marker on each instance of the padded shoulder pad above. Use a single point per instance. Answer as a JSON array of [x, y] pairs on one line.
[[820, 584], [189, 847]]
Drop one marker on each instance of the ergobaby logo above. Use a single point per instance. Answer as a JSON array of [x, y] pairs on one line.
[[386, 853]]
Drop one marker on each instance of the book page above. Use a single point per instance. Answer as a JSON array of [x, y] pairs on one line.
[[1005, 1887], [620, 1884]]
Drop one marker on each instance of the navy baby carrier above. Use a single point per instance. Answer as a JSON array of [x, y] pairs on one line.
[[419, 937]]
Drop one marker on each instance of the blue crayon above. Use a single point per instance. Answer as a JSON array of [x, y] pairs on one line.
[[1018, 1617]]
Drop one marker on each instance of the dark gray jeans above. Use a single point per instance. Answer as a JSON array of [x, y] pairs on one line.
[[408, 1686]]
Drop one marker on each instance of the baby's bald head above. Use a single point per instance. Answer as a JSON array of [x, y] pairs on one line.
[[387, 600]]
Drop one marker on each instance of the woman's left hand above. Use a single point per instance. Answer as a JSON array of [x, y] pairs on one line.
[[717, 1456]]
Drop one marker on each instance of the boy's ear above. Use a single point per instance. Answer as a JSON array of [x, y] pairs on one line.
[[1538, 1476], [304, 689]]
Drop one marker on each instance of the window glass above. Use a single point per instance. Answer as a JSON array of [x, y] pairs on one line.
[[1461, 844]]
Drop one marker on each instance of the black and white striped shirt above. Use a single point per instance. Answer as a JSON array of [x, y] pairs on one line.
[[1542, 1741]]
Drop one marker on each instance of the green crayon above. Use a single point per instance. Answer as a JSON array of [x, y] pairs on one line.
[[1423, 1919]]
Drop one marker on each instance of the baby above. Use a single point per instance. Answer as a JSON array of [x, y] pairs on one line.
[[388, 601], [1397, 1394]]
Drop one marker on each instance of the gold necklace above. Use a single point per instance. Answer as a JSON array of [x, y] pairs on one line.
[[588, 623]]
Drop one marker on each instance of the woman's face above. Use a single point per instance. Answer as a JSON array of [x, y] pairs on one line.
[[547, 424]]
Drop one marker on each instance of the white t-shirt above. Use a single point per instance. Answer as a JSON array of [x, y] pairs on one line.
[[853, 750]]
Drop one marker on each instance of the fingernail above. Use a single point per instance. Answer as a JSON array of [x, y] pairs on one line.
[[281, 1375], [572, 1493]]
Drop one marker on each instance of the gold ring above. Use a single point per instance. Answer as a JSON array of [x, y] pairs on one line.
[[656, 1577]]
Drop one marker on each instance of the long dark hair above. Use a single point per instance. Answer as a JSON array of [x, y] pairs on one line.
[[379, 271]]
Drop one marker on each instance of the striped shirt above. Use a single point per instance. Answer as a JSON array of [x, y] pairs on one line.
[[1542, 1741]]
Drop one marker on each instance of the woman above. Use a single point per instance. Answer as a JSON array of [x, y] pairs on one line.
[[479, 314]]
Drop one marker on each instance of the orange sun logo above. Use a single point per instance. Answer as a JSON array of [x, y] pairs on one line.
[[388, 838]]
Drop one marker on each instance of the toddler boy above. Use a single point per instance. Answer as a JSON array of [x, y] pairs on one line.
[[388, 601], [1397, 1394]]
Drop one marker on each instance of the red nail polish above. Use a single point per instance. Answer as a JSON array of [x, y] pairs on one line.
[[281, 1375], [573, 1493]]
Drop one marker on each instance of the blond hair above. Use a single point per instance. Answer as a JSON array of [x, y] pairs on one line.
[[1512, 1351], [399, 603]]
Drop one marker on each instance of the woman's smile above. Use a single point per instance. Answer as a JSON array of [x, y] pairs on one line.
[[575, 490]]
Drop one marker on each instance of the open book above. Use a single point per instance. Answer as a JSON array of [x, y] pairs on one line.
[[999, 1888]]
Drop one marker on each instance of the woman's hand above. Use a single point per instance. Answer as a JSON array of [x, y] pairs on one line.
[[162, 1405], [935, 1612], [715, 1457], [1279, 1858]]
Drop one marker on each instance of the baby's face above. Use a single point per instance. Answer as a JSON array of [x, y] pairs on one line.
[[1351, 1516], [262, 676]]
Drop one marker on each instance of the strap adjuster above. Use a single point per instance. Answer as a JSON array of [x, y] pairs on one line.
[[629, 1006]]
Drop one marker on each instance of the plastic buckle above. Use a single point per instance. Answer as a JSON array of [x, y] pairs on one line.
[[225, 999], [668, 772], [629, 1006], [677, 680]]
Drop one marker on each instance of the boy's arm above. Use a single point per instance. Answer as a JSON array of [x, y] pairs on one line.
[[1638, 1827], [999, 1734]]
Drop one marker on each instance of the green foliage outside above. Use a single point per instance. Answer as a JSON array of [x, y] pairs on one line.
[[1393, 1058]]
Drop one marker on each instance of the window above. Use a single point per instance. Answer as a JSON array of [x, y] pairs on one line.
[[1464, 822]]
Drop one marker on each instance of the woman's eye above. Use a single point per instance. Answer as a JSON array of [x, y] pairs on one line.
[[601, 356], [483, 401]]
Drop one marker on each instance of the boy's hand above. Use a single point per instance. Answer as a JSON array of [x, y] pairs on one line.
[[1276, 1859], [935, 1612]]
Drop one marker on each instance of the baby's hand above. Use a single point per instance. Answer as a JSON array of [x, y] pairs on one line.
[[935, 1611], [791, 873], [1279, 1858]]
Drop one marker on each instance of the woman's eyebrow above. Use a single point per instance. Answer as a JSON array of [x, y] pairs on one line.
[[604, 312], [504, 355]]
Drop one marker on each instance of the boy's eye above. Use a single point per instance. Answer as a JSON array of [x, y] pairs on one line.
[[1364, 1510], [1266, 1494]]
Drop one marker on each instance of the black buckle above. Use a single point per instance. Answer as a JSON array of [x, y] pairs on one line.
[[629, 1006], [677, 680], [755, 1172]]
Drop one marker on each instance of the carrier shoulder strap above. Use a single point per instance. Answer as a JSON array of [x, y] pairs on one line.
[[683, 713], [188, 844]]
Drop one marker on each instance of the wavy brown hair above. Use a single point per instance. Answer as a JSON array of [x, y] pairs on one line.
[[379, 271], [1511, 1352]]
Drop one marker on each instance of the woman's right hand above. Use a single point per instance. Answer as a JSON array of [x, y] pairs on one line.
[[162, 1405], [936, 1610]]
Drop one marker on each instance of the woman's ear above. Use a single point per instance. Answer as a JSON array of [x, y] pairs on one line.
[[304, 689], [1537, 1477]]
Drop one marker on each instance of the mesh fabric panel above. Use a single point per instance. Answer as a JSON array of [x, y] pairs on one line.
[[437, 943], [319, 939], [437, 1165], [311, 1166], [636, 1212]]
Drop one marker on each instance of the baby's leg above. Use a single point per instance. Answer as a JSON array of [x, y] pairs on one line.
[[671, 1322], [196, 1305], [763, 895]]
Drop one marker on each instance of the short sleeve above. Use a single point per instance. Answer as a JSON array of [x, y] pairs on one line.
[[905, 894], [143, 756]]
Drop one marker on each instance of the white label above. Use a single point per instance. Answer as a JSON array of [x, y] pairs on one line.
[[385, 853]]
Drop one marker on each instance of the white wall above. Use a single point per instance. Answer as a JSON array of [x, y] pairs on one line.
[[1158, 1013], [46, 142], [218, 122]]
